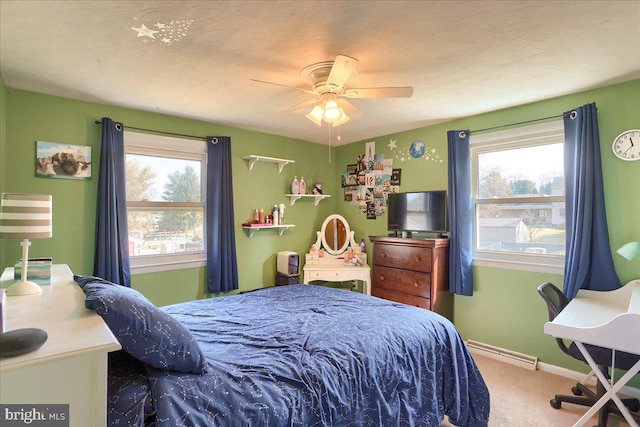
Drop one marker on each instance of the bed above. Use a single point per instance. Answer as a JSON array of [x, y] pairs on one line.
[[295, 355]]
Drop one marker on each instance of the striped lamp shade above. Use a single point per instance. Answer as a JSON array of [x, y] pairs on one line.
[[25, 216]]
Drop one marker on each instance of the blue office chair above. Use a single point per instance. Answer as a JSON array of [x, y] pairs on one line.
[[582, 395]]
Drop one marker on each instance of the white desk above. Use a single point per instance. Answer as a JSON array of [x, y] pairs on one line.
[[606, 319], [334, 270], [71, 366]]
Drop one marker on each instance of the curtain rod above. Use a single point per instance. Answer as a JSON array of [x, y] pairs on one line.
[[204, 138], [518, 123], [98, 122]]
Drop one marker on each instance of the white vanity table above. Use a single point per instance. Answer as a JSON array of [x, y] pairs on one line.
[[71, 366], [336, 240]]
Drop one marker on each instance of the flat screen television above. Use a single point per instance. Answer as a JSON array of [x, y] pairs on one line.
[[418, 212]]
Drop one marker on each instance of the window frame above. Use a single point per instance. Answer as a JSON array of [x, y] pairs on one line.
[[522, 137], [176, 148]]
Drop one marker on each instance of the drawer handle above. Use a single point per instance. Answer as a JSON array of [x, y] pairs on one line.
[[418, 259], [381, 278], [384, 255], [416, 283]]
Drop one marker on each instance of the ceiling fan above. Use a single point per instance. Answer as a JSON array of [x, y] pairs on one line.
[[329, 86]]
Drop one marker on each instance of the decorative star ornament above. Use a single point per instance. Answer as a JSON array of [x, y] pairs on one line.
[[143, 31], [392, 144]]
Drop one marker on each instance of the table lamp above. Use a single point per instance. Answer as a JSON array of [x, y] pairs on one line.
[[25, 216], [630, 250]]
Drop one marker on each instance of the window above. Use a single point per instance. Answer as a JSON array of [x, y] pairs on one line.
[[165, 209], [518, 198]]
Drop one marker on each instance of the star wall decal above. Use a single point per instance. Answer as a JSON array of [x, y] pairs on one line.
[[417, 150]]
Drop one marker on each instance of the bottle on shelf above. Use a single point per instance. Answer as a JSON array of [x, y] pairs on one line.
[[261, 216], [256, 216], [363, 247], [295, 186], [281, 213], [303, 186], [275, 215]]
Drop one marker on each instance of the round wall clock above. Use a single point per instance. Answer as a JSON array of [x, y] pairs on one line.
[[626, 146]]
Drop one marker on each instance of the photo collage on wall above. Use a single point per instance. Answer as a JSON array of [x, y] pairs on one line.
[[367, 182]]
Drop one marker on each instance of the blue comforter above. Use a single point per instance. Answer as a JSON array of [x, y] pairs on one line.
[[304, 355]]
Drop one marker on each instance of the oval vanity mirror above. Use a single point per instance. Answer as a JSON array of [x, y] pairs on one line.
[[335, 234]]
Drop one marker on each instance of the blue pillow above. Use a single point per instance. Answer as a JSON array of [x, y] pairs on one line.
[[144, 331], [83, 280]]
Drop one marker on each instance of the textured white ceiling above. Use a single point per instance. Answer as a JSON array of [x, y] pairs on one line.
[[461, 57]]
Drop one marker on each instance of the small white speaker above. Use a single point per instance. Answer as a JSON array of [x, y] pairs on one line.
[[288, 263]]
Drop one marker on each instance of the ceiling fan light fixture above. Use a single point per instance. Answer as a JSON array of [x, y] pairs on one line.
[[342, 120], [332, 111], [328, 81], [315, 115]]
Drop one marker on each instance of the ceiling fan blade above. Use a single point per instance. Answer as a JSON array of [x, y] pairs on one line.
[[301, 105], [350, 109], [342, 69], [289, 87], [379, 92]]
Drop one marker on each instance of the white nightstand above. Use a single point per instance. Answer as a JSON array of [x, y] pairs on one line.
[[71, 366]]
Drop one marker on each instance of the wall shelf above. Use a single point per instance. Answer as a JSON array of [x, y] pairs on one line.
[[316, 197], [281, 162], [281, 228]]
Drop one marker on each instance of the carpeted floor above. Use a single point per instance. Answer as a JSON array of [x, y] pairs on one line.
[[520, 397]]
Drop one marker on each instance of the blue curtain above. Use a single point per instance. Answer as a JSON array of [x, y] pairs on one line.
[[222, 265], [460, 214], [588, 262], [111, 261]]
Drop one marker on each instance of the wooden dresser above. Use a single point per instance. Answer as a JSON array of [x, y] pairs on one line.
[[412, 271]]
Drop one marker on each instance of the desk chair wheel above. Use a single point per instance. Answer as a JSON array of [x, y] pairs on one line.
[[555, 404], [632, 404], [576, 391]]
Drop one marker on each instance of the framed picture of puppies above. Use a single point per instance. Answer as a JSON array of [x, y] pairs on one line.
[[65, 161]]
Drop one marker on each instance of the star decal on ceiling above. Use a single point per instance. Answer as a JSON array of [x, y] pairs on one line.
[[167, 32], [392, 144], [143, 31]]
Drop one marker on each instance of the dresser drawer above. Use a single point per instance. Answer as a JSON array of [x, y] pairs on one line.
[[330, 276], [402, 298], [403, 257], [408, 282]]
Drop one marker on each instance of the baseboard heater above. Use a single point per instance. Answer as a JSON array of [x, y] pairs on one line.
[[523, 360]]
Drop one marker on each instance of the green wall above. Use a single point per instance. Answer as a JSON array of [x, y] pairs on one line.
[[3, 139], [35, 117], [505, 309], [3, 145]]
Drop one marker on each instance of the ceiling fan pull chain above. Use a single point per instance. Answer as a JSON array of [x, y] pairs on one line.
[[330, 142]]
